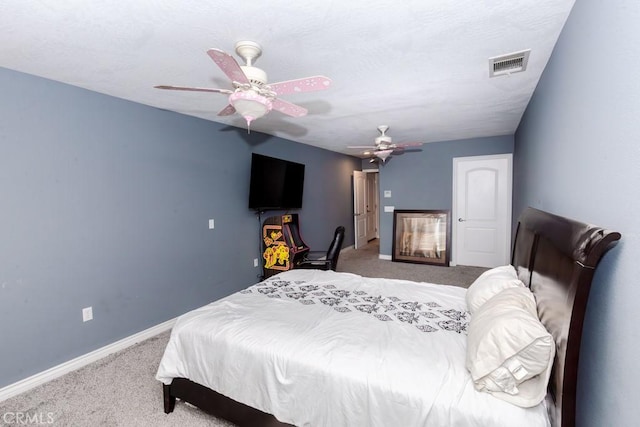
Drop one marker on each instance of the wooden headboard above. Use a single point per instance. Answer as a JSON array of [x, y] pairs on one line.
[[556, 257]]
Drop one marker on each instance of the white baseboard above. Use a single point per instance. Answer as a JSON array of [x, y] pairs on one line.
[[57, 371], [385, 257]]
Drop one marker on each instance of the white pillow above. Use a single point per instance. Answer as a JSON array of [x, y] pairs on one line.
[[489, 284], [509, 351]]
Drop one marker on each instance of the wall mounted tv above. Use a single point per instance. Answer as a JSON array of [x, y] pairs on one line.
[[275, 183]]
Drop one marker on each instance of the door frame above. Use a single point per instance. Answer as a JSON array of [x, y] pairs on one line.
[[357, 215], [376, 214], [454, 202], [375, 203]]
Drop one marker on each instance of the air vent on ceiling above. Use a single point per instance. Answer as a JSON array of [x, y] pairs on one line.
[[508, 64]]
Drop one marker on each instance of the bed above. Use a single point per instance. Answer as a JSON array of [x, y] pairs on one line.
[[315, 348]]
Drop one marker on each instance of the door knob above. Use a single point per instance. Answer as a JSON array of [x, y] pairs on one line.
[[460, 220]]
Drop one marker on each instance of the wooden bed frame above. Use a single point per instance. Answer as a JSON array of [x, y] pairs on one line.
[[555, 256]]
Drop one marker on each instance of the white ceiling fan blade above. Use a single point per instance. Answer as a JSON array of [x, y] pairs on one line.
[[227, 111], [288, 108], [194, 89], [306, 84], [228, 65]]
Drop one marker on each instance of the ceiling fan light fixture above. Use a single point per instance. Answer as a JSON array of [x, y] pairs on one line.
[[250, 105], [383, 154]]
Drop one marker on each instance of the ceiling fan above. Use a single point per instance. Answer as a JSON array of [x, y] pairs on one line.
[[252, 97], [384, 146]]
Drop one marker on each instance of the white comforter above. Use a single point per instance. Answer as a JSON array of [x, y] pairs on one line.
[[320, 348]]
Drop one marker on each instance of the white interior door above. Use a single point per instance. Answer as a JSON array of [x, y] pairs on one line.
[[481, 220], [359, 208]]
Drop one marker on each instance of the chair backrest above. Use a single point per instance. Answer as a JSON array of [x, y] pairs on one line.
[[335, 247]]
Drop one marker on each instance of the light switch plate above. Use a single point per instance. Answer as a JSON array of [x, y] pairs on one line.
[[211, 224], [387, 193], [389, 208]]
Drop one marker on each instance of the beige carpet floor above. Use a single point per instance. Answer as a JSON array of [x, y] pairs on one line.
[[366, 262], [121, 389]]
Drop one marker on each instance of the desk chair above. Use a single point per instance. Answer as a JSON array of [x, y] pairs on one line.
[[325, 260]]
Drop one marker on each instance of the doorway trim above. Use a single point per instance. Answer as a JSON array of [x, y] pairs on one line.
[[375, 204]]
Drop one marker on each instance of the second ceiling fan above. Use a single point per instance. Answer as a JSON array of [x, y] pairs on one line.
[[383, 146]]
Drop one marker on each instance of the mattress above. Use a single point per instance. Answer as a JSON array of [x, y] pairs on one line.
[[321, 348]]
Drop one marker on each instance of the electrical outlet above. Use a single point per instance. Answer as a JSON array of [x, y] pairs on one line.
[[255, 262], [87, 314]]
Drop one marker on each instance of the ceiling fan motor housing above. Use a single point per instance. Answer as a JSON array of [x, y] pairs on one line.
[[385, 140], [250, 51], [255, 75]]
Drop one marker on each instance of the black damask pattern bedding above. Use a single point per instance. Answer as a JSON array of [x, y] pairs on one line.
[[424, 315]]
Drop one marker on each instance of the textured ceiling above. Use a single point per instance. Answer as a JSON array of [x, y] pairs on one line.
[[419, 66]]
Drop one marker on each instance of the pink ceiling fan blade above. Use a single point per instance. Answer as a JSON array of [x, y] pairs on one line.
[[228, 65], [288, 108], [194, 89], [409, 144], [306, 84], [227, 111]]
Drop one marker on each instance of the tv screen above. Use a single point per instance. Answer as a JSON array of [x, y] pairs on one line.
[[275, 183]]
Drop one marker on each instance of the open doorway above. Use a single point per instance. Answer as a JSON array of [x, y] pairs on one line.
[[365, 206], [372, 202]]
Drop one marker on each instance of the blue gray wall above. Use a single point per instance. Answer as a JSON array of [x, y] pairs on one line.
[[424, 179], [577, 154], [105, 203]]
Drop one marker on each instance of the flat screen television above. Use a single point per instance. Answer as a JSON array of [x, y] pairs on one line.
[[275, 183]]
